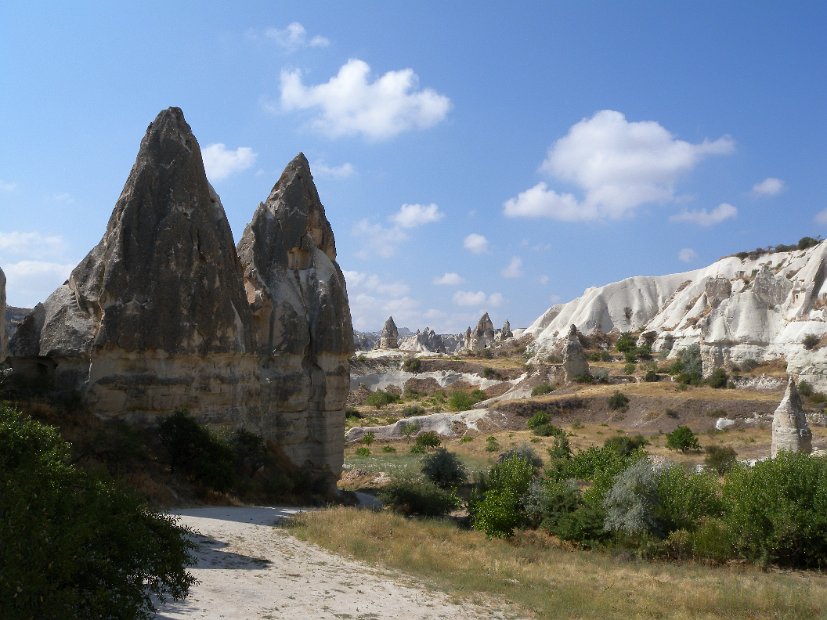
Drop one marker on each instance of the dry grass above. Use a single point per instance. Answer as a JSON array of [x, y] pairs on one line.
[[544, 581]]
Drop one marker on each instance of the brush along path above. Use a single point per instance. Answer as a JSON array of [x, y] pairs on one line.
[[246, 568]]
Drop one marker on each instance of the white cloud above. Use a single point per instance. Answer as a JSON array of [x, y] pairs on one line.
[[514, 269], [687, 255], [343, 171], [768, 187], [7, 186], [29, 282], [477, 298], [349, 104], [475, 243], [385, 240], [617, 165], [31, 244], [821, 217], [294, 37], [64, 198], [372, 299], [702, 217], [221, 162], [449, 278], [543, 279]]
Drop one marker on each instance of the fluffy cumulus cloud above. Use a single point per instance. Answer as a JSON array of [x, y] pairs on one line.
[[768, 187], [703, 217], [477, 298], [350, 104], [7, 186], [373, 299], [687, 255], [294, 37], [337, 173], [35, 264], [449, 278], [475, 243], [821, 217], [411, 216], [384, 241], [18, 244], [514, 269], [617, 165], [221, 162]]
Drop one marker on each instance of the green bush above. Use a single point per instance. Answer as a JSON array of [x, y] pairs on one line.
[[74, 545], [689, 366], [810, 341], [549, 501], [525, 452], [682, 439], [462, 401], [776, 511], [197, 453], [805, 388], [625, 446], [500, 510], [388, 449], [540, 424], [412, 410], [414, 496], [543, 388], [380, 398], [561, 448], [629, 368], [444, 469], [428, 439], [632, 502], [625, 343], [618, 401], [651, 376], [412, 364], [718, 379], [720, 459], [490, 373], [363, 451], [686, 499], [491, 444], [368, 438]]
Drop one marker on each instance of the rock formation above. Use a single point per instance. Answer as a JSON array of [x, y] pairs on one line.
[[426, 341], [506, 332], [162, 315], [389, 336], [574, 359], [301, 319], [752, 307], [482, 337], [789, 424], [3, 346]]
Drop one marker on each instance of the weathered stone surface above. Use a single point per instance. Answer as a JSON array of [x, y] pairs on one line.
[[3, 345], [426, 341], [789, 424], [482, 337], [574, 359], [506, 332], [301, 319], [162, 314], [389, 336]]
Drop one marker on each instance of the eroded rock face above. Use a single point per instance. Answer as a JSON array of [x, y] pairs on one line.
[[482, 337], [506, 332], [3, 347], [163, 315], [301, 319], [574, 359], [389, 336], [789, 424]]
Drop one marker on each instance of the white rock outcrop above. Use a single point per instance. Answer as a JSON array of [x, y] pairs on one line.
[[789, 425], [761, 308]]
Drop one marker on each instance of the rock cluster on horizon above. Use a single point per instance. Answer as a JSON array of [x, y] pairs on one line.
[[389, 336], [165, 314], [789, 425]]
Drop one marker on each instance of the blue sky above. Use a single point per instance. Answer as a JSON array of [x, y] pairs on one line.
[[494, 156]]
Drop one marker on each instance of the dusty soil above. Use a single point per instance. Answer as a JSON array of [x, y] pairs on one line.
[[247, 568]]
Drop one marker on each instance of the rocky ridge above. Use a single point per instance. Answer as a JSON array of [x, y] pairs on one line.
[[3, 345], [164, 314], [760, 308]]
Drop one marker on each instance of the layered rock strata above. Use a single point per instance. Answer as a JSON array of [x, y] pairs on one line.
[[161, 314], [789, 425]]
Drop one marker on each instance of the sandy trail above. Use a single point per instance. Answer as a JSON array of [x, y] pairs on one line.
[[249, 569]]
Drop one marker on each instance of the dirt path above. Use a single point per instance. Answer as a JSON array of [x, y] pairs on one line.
[[249, 569]]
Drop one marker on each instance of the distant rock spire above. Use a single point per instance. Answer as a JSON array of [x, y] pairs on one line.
[[3, 347], [789, 424], [389, 337]]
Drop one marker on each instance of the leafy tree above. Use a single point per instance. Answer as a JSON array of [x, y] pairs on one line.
[[500, 511], [75, 545], [368, 438], [414, 496], [718, 379], [632, 502], [686, 499], [380, 398], [720, 459], [194, 451], [689, 366], [444, 469], [683, 439], [625, 343]]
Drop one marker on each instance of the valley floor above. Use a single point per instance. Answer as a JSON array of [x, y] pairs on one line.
[[246, 568]]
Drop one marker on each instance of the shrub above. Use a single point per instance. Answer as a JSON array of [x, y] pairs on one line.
[[625, 343], [686, 498], [632, 502], [462, 401], [362, 451], [412, 364], [805, 388], [629, 368], [525, 452], [625, 446], [412, 410], [428, 439], [75, 545], [195, 452], [720, 459], [689, 366], [543, 388], [810, 341], [353, 414], [380, 398], [490, 373], [368, 438], [491, 444], [807, 242], [500, 509], [683, 439], [549, 501], [408, 429], [651, 376], [548, 430], [414, 496], [777, 510], [718, 379], [444, 469], [388, 449], [618, 401], [561, 448]]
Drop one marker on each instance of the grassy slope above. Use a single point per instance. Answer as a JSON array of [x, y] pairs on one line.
[[548, 582]]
